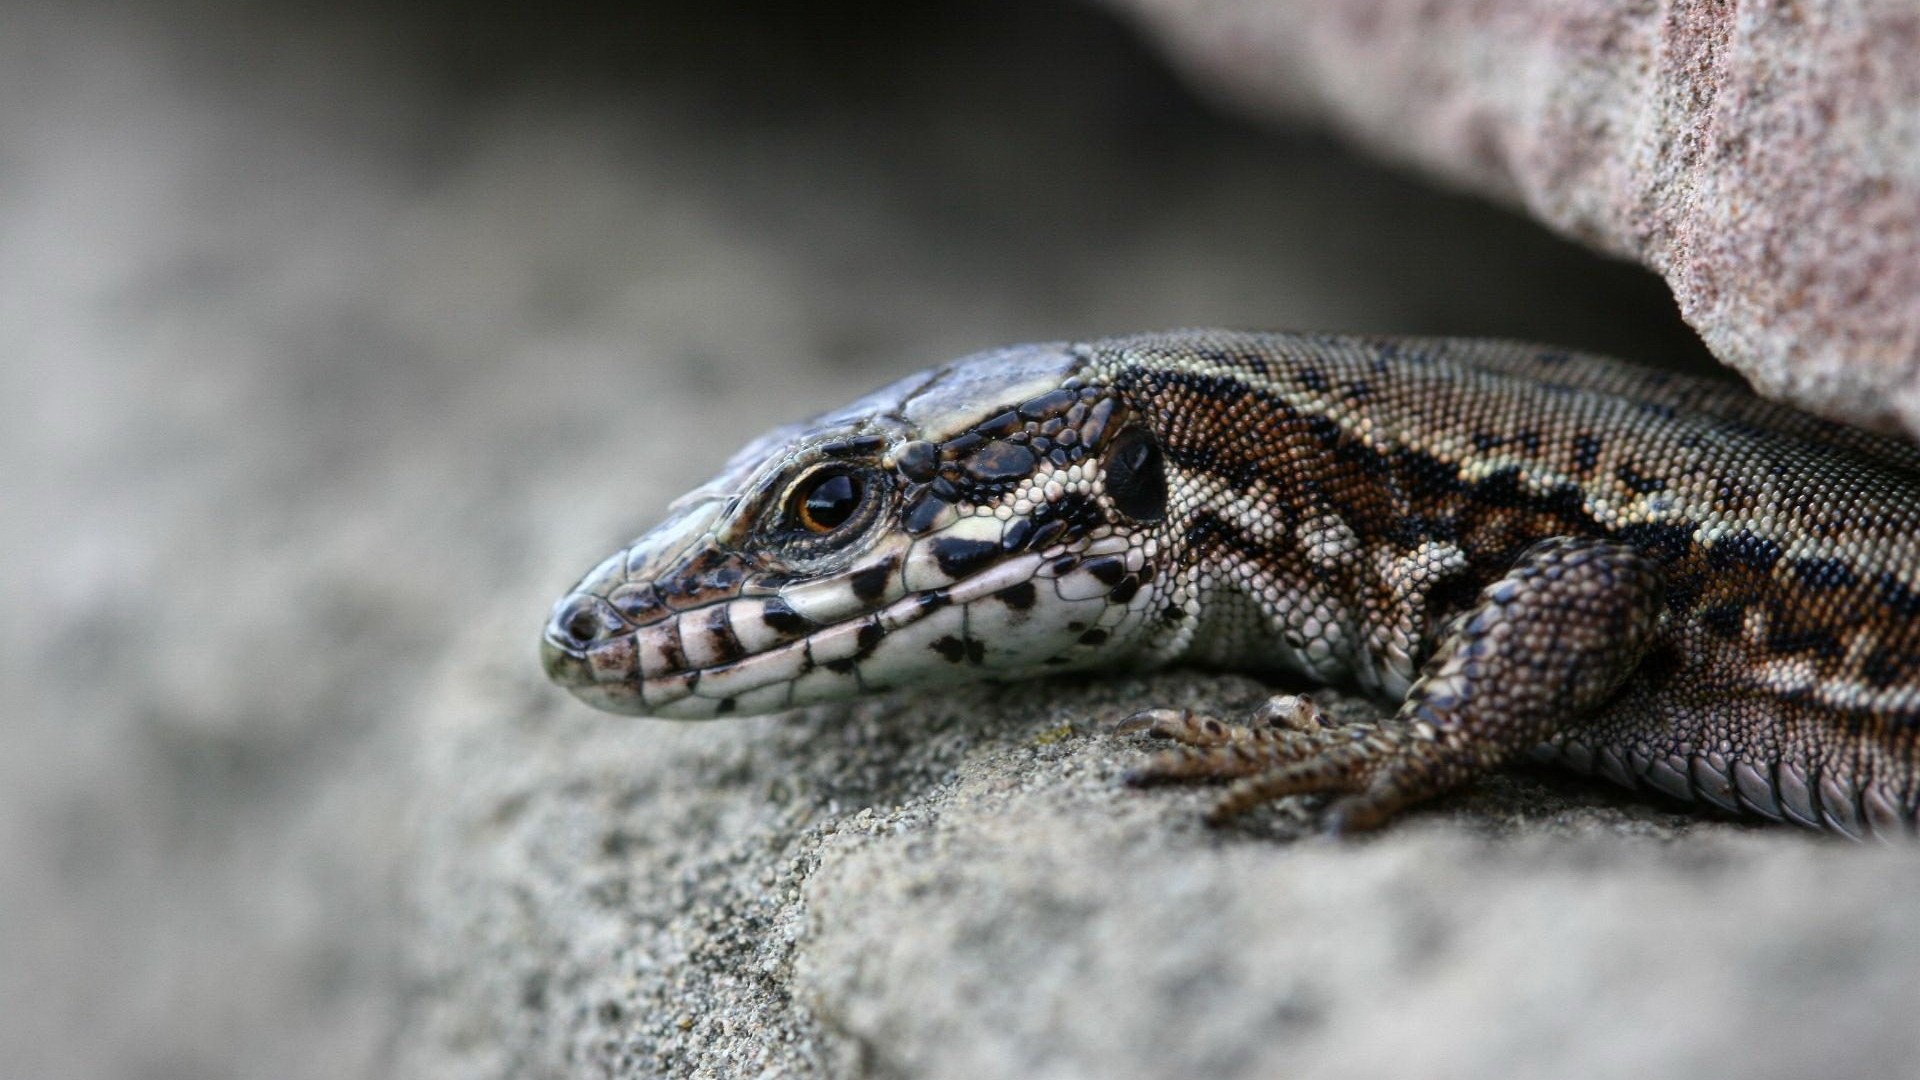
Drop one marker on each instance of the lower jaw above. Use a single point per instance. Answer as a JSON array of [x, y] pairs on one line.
[[619, 698]]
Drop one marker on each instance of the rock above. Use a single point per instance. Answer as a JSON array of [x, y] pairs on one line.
[[960, 887], [1763, 158]]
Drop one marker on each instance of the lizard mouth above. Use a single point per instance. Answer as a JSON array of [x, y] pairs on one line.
[[759, 652]]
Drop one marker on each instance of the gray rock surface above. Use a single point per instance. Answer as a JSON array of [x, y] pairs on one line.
[[339, 345], [961, 888], [1763, 158]]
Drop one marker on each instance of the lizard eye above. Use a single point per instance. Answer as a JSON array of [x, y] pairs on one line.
[[1137, 476], [826, 500], [823, 510]]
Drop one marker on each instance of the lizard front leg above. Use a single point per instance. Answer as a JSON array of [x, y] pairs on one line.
[[1541, 648]]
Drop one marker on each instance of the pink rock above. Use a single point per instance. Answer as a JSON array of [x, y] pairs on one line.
[[1764, 158]]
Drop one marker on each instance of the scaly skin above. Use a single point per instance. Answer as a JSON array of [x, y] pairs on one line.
[[1666, 582]]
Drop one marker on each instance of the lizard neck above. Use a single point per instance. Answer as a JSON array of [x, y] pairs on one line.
[[1304, 537]]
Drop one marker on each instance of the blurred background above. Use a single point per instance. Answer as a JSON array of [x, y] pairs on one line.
[[328, 336]]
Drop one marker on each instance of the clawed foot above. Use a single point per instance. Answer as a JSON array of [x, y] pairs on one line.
[[1286, 747], [1543, 646]]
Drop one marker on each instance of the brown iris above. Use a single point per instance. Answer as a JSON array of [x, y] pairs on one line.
[[827, 500]]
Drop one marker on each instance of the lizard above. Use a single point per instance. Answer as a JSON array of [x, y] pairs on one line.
[[1519, 551]]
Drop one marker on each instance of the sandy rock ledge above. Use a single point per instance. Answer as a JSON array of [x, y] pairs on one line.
[[960, 887]]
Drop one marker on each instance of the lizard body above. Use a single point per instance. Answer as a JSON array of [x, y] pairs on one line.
[[1667, 582]]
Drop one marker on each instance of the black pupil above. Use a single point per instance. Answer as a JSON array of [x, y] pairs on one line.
[[830, 502]]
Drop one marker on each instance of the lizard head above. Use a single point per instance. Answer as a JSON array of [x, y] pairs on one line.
[[996, 517]]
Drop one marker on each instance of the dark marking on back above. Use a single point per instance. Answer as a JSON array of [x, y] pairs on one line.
[[1896, 595], [1502, 488], [1723, 619], [1410, 530], [1824, 574], [1637, 482], [1683, 591], [1426, 476], [1326, 429], [1586, 452], [1818, 640], [1568, 502], [1884, 668], [1743, 549], [1666, 541]]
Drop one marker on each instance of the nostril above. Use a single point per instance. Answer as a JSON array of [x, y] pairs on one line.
[[581, 622], [582, 626]]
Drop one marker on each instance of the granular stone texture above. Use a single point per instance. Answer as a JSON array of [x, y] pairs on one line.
[[1763, 158]]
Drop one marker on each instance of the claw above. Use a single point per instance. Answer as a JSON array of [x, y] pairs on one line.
[[1145, 720], [1348, 815], [1186, 727], [1292, 712]]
